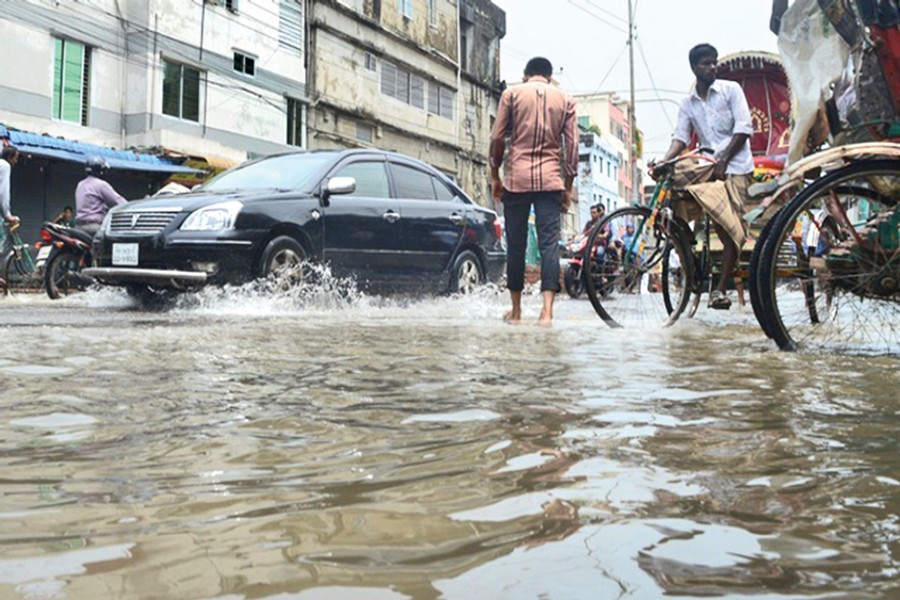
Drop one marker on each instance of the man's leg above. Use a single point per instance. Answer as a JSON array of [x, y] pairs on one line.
[[515, 211], [729, 260], [546, 216]]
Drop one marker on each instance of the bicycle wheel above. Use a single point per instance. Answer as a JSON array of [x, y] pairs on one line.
[[18, 269], [829, 276], [62, 275], [752, 279], [645, 282]]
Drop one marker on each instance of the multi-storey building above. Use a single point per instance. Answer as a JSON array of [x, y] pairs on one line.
[[612, 115], [415, 76], [598, 175], [219, 79]]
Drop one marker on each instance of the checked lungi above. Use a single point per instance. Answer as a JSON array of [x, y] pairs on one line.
[[724, 201]]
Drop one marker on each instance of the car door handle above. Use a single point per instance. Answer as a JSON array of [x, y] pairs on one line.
[[457, 219], [391, 216]]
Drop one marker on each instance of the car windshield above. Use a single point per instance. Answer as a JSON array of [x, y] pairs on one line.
[[284, 172]]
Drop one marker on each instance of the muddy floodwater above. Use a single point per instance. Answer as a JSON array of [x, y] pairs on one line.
[[332, 446]]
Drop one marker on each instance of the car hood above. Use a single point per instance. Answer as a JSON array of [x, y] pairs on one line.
[[192, 202]]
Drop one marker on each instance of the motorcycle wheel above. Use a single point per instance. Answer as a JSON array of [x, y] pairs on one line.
[[62, 274], [573, 281]]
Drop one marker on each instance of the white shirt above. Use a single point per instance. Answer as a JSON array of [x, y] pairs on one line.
[[5, 170], [716, 120]]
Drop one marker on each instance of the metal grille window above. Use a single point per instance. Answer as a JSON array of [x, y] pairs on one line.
[[440, 100], [371, 63], [290, 20], [181, 91], [71, 82], [296, 113], [432, 13], [365, 133], [406, 8], [399, 83], [244, 63]]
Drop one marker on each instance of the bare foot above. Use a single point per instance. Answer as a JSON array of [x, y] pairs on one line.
[[512, 316], [546, 318]]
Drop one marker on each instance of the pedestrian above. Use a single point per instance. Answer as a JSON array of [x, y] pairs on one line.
[[66, 218], [718, 113], [539, 119], [94, 196], [8, 159]]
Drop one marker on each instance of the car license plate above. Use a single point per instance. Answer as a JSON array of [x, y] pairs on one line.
[[125, 255]]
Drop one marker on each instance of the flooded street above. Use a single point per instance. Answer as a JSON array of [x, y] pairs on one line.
[[337, 446]]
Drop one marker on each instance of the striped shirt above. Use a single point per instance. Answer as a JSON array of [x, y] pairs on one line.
[[540, 121]]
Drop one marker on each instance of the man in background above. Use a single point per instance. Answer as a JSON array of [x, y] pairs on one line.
[[539, 119], [94, 196]]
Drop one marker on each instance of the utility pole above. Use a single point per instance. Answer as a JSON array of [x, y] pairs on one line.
[[631, 120]]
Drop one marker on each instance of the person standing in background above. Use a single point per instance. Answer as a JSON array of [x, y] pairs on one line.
[[539, 119], [8, 159]]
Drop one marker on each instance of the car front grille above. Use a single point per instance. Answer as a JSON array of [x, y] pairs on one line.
[[145, 222]]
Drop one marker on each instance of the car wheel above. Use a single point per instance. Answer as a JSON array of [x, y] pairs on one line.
[[150, 297], [466, 274], [283, 264]]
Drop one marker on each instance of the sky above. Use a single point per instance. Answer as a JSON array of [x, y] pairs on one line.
[[586, 42]]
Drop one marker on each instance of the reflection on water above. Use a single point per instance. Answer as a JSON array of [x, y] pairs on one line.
[[332, 445]]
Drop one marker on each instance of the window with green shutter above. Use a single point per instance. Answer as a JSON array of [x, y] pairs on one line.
[[71, 84], [181, 91]]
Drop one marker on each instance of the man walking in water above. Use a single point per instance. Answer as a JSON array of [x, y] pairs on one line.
[[539, 119]]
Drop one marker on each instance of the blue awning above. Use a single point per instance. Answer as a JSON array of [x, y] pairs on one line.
[[78, 152], [114, 163]]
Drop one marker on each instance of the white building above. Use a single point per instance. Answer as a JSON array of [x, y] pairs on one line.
[[217, 78], [598, 175]]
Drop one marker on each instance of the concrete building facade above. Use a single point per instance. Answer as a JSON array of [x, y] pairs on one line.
[[415, 76], [612, 116], [598, 175], [219, 77]]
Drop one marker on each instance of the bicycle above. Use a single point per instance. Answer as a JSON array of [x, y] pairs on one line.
[[656, 270], [828, 274], [19, 267]]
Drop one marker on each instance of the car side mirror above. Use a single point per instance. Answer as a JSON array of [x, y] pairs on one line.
[[340, 185]]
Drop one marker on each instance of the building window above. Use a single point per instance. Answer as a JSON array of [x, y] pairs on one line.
[[290, 31], [231, 5], [440, 100], [406, 8], [296, 119], [71, 84], [244, 63], [365, 133], [399, 83], [371, 63], [584, 122], [432, 14], [181, 91]]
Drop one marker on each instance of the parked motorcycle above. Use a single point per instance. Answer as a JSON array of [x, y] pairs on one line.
[[573, 277], [70, 252], [603, 267]]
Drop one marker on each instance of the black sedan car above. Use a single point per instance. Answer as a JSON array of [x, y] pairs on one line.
[[390, 221]]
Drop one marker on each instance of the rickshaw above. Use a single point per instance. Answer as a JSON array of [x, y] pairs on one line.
[[826, 275], [824, 272], [665, 268]]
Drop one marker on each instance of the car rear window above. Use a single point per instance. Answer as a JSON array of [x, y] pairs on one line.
[[412, 184]]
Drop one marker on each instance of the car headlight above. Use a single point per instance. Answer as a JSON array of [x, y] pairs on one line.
[[213, 218]]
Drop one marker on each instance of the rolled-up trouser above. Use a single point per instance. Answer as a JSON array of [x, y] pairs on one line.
[[516, 208]]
